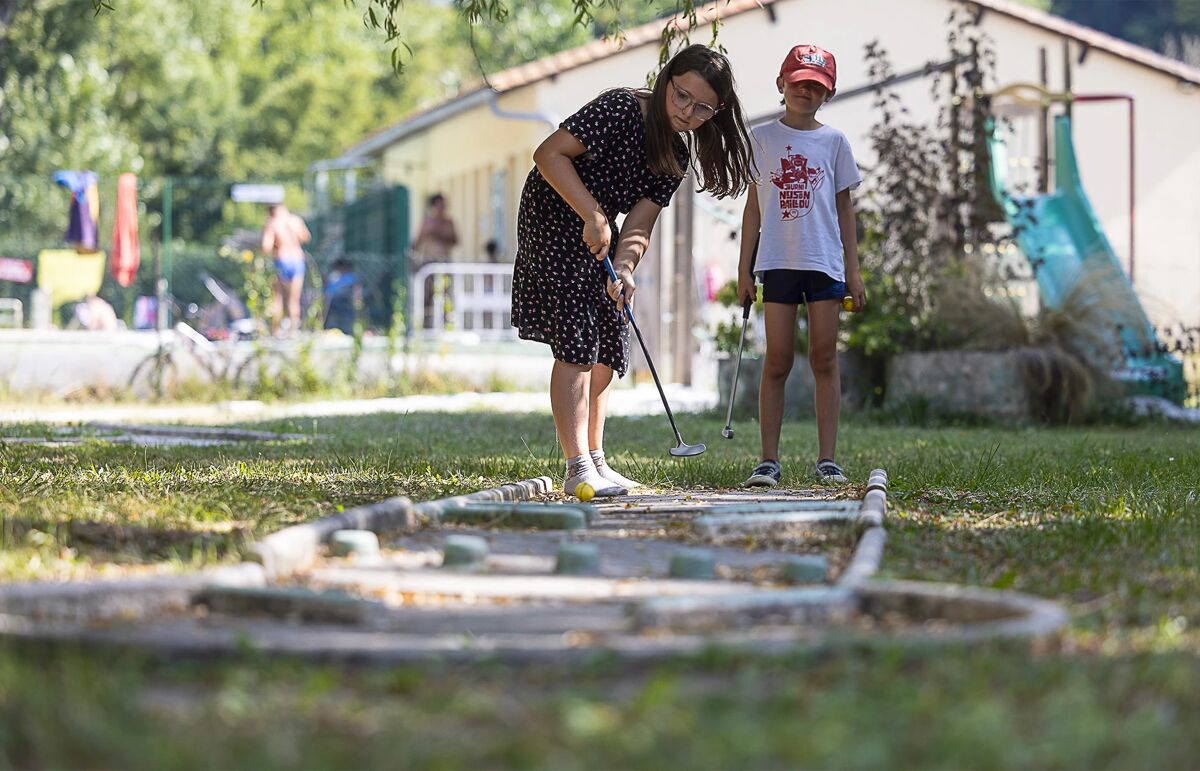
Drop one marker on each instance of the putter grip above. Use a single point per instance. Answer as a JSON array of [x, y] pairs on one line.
[[746, 306], [612, 273]]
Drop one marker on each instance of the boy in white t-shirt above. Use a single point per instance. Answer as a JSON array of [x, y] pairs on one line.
[[807, 251]]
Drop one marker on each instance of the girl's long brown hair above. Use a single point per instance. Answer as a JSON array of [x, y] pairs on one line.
[[720, 148]]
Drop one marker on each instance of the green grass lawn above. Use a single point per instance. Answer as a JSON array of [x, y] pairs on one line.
[[1104, 519]]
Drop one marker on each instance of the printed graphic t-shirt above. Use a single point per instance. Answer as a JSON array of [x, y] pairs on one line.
[[802, 173]]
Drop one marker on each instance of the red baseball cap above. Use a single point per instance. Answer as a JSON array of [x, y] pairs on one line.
[[809, 62]]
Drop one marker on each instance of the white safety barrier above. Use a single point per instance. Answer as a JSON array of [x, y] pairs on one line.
[[462, 300]]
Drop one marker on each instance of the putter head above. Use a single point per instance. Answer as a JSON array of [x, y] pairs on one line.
[[727, 432], [687, 450]]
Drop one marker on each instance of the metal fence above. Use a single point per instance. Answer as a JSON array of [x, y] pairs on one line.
[[465, 300], [195, 236]]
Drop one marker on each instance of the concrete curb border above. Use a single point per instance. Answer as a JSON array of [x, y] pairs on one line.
[[25, 604], [797, 605], [1033, 617], [868, 553], [279, 554], [817, 604], [199, 432], [295, 548], [763, 620], [1024, 617], [749, 519]]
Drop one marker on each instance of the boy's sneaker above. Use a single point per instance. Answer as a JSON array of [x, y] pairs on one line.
[[765, 474], [830, 473]]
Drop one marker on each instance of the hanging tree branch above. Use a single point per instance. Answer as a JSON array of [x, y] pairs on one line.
[[385, 16]]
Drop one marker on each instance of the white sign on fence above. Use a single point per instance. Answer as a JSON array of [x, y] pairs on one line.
[[257, 193]]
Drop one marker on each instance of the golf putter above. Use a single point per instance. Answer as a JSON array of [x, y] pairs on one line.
[[682, 449], [727, 432]]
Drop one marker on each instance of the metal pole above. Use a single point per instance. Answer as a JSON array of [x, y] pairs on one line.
[[1067, 74], [167, 235], [1044, 133], [1132, 187]]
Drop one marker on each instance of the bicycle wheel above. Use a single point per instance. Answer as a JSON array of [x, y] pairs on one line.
[[155, 375]]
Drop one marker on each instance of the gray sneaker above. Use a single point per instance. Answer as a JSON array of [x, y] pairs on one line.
[[765, 474], [830, 473]]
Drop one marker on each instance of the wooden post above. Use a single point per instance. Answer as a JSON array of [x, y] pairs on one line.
[[684, 296]]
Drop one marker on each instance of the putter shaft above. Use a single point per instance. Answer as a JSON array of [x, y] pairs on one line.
[[612, 273], [737, 369]]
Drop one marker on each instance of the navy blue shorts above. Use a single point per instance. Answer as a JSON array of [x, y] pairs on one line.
[[797, 287]]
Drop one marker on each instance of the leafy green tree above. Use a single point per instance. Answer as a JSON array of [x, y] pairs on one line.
[[1168, 26], [533, 30], [515, 32], [309, 82], [53, 96]]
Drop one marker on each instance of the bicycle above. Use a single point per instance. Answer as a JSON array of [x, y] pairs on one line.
[[160, 371]]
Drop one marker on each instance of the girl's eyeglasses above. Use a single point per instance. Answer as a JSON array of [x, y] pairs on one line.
[[683, 100]]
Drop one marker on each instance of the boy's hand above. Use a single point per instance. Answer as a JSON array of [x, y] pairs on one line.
[[745, 288], [622, 290], [857, 290], [597, 234]]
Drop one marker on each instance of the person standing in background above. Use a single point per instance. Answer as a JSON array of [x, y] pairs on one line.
[[437, 235], [434, 241], [283, 237]]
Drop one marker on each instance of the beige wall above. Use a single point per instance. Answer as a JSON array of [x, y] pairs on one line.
[[457, 156]]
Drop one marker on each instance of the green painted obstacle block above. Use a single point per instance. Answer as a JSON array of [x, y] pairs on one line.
[[578, 559], [696, 564], [360, 543], [533, 516], [464, 551], [805, 569]]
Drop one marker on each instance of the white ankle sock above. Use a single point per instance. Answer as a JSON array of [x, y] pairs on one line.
[[607, 472], [581, 469]]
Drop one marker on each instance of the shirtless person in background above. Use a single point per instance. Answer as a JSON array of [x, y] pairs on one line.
[[283, 235]]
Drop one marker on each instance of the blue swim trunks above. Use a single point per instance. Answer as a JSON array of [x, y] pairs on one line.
[[289, 269]]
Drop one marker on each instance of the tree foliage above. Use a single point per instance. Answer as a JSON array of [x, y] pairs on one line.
[[511, 33], [199, 88], [929, 211], [1171, 27], [253, 88]]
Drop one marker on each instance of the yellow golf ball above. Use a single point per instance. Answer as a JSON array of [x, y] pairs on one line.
[[584, 492], [848, 303]]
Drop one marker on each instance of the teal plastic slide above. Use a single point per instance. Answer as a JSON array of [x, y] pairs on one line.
[[1062, 239]]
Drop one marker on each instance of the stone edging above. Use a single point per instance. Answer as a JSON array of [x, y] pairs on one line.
[[797, 605], [295, 548], [1033, 616], [23, 606], [868, 554], [663, 625], [199, 432]]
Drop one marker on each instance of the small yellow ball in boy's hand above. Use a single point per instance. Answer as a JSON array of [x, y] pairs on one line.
[[584, 492], [848, 303]]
